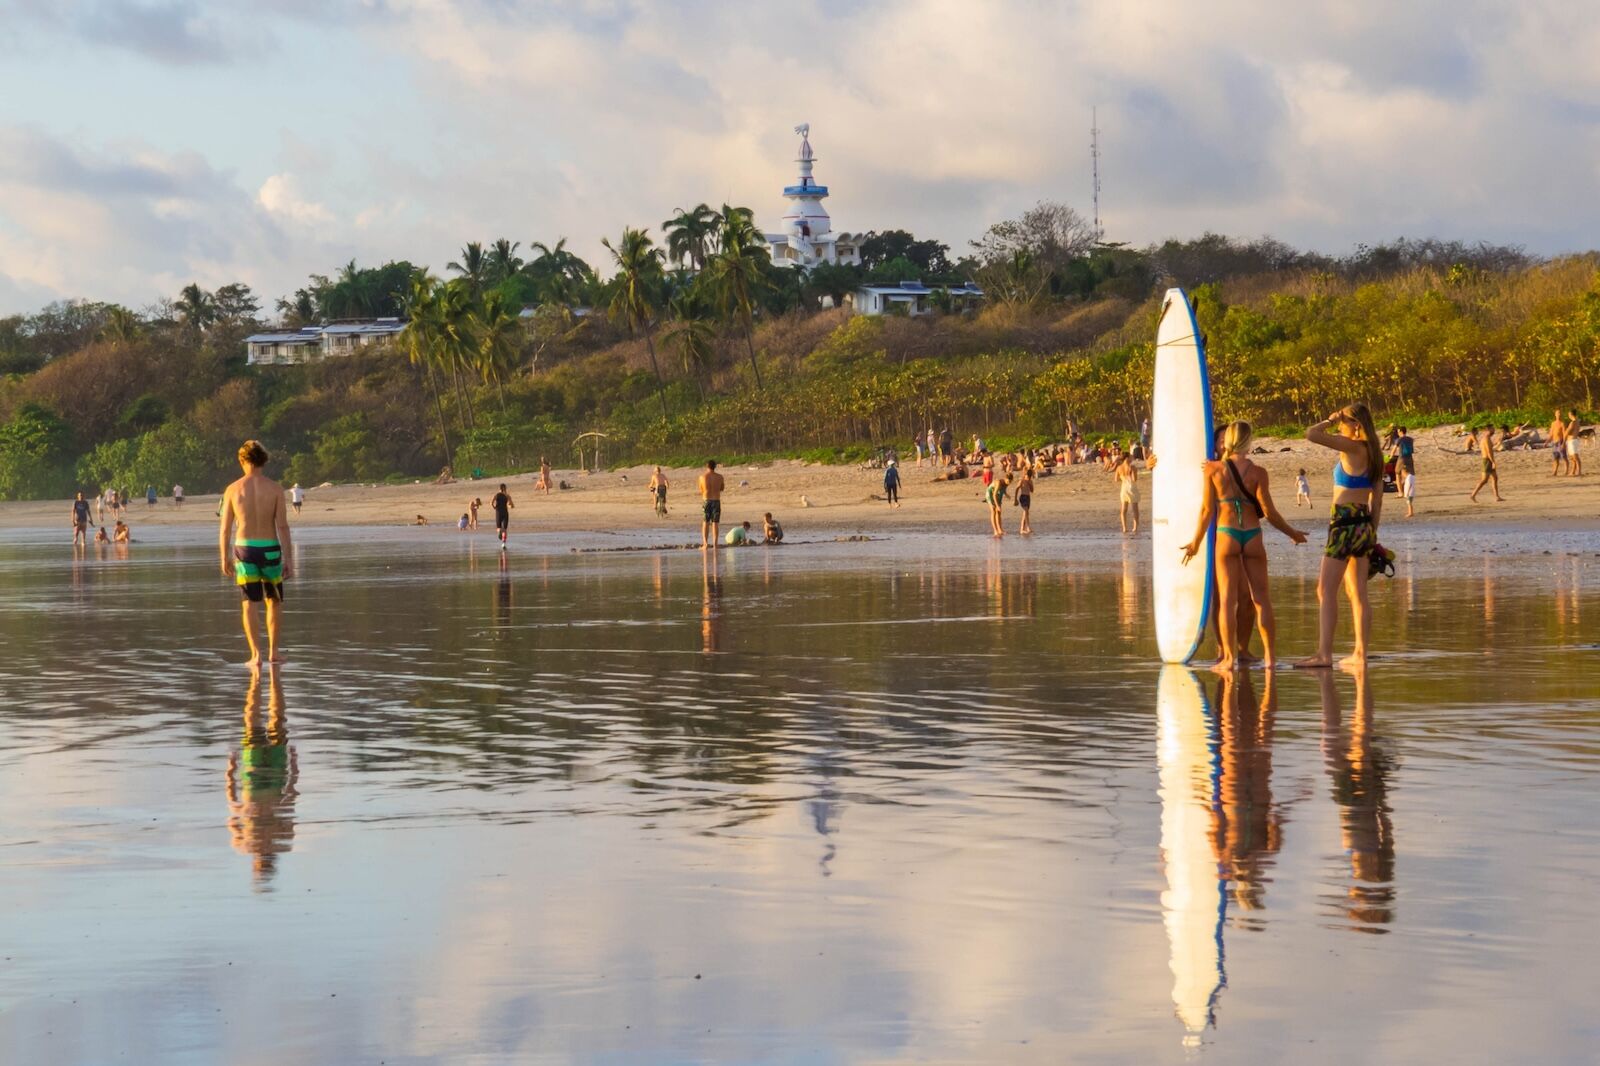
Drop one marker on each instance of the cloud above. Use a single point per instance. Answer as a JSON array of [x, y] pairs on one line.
[[175, 32], [1324, 124]]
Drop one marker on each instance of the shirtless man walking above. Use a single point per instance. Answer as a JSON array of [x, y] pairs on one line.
[[1491, 475], [1558, 446], [711, 495], [253, 541]]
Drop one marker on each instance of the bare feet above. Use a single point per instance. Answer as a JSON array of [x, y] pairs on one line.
[[1314, 664], [1223, 666], [253, 663], [277, 659], [1353, 662]]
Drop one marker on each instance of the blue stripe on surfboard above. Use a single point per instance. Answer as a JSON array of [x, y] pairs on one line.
[[1211, 440]]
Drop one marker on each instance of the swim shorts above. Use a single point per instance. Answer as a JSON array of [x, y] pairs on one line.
[[1350, 531], [502, 519], [1025, 501], [258, 569], [713, 510]]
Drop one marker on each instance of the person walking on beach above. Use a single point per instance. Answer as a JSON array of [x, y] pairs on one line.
[[1127, 476], [995, 497], [1574, 463], [1024, 500], [1558, 445], [1405, 452], [297, 497], [1302, 490], [253, 541], [710, 506], [177, 495], [891, 483], [658, 489], [501, 502], [933, 447], [544, 476], [1352, 528], [150, 495], [1239, 497], [80, 522], [1490, 474]]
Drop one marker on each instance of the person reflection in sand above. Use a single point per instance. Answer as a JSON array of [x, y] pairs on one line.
[[1357, 769], [1247, 827], [711, 605], [502, 595], [262, 777]]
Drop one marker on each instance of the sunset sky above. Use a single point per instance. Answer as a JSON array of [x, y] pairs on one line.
[[144, 145]]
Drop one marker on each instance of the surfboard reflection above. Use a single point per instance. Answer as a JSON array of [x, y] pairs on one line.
[[1219, 827]]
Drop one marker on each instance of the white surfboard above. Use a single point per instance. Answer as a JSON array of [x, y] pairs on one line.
[[1194, 905], [1180, 437]]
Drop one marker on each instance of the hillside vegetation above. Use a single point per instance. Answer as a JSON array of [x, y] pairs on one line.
[[95, 395]]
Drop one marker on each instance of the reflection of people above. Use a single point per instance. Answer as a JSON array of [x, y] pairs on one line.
[[1357, 768], [1248, 828], [502, 594], [710, 605], [261, 780]]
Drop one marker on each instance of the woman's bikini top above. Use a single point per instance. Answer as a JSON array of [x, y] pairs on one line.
[[1350, 481]]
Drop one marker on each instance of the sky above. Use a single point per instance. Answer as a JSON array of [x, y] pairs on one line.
[[146, 144]]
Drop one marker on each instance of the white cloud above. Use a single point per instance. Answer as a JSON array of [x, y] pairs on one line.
[[1325, 124]]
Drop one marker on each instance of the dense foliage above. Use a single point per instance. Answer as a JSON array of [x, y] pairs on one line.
[[695, 344]]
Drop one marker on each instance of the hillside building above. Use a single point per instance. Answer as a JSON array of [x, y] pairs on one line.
[[311, 343]]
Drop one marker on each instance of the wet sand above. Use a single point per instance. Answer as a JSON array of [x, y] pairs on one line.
[[842, 498]]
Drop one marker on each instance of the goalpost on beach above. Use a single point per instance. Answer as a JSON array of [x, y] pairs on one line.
[[587, 440]]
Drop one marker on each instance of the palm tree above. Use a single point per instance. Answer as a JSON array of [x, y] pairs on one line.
[[738, 272], [633, 292], [689, 235], [473, 267], [195, 307], [693, 333], [559, 276], [497, 331], [456, 350], [422, 340], [121, 325], [503, 260]]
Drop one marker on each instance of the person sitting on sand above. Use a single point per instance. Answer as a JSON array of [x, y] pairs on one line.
[[771, 531], [1238, 499], [420, 520], [463, 523], [121, 534], [1352, 529], [738, 536], [100, 536]]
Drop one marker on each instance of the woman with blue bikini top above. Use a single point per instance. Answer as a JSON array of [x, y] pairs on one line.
[[1238, 489]]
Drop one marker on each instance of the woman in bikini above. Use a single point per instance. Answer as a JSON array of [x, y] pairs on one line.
[[1238, 497], [1127, 477], [1352, 528]]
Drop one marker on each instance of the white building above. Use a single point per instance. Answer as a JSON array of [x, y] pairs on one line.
[[807, 238], [911, 298], [311, 343]]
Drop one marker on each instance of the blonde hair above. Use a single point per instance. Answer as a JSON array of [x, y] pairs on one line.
[[1361, 416], [1236, 438], [253, 453]]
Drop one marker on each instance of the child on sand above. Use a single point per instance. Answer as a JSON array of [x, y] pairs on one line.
[[122, 533], [737, 536], [463, 524], [1408, 491], [1302, 490], [1024, 500], [995, 496], [771, 531], [472, 513]]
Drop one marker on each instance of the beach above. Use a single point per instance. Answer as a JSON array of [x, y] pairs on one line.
[[848, 499]]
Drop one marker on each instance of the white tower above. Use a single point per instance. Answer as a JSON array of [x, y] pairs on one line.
[[808, 238]]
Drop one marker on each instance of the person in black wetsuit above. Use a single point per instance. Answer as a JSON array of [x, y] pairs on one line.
[[502, 513]]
